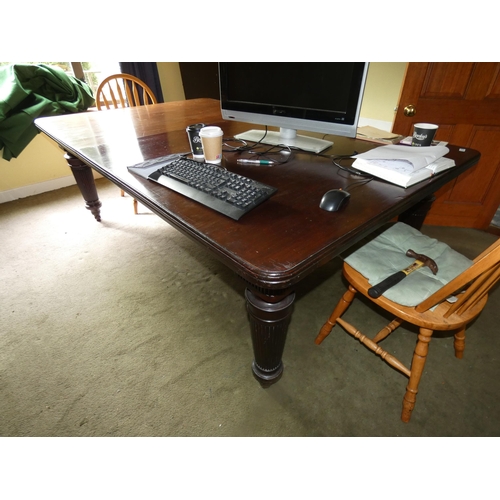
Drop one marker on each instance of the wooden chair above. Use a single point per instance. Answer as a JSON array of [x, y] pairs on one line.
[[450, 308], [121, 91]]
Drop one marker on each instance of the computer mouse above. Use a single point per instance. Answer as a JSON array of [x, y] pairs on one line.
[[334, 200]]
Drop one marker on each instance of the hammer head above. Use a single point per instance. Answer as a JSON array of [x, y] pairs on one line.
[[427, 261]]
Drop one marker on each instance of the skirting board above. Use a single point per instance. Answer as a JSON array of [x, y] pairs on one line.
[[41, 187]]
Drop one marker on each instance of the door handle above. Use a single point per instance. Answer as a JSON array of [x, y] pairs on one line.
[[410, 110]]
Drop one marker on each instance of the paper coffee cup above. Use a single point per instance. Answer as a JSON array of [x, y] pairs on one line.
[[211, 139], [423, 134]]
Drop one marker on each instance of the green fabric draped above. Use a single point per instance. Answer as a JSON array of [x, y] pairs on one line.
[[28, 92]]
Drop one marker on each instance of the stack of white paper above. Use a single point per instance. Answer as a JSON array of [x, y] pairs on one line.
[[403, 165]]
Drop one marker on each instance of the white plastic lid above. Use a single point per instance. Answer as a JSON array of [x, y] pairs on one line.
[[211, 132], [426, 125]]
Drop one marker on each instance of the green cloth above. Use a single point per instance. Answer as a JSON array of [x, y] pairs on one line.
[[386, 255], [30, 91]]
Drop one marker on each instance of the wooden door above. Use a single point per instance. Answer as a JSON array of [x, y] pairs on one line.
[[464, 100]]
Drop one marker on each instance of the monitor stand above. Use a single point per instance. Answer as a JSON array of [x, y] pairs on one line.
[[286, 137]]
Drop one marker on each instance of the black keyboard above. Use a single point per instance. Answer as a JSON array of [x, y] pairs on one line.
[[226, 192]]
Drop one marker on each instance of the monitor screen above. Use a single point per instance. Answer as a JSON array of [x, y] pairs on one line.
[[321, 97]]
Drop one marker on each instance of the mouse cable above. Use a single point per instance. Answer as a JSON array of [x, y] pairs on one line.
[[357, 183], [336, 161], [335, 158]]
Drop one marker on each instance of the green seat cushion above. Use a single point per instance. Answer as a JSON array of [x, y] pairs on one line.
[[386, 255]]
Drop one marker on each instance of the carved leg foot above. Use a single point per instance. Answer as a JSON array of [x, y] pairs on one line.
[[417, 367], [269, 326], [340, 309], [86, 184]]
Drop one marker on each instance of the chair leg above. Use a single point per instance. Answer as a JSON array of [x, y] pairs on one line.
[[136, 209], [417, 367], [340, 309], [459, 343], [387, 330]]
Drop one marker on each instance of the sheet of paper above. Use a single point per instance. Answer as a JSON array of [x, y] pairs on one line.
[[403, 167], [418, 157], [376, 133]]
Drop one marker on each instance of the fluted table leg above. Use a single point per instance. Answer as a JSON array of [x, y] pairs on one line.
[[269, 320]]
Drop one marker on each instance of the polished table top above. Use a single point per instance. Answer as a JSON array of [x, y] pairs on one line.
[[275, 245]]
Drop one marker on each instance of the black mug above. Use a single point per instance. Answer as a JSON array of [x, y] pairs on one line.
[[423, 134], [193, 132]]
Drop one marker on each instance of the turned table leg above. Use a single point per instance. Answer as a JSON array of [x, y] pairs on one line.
[[269, 320], [86, 184]]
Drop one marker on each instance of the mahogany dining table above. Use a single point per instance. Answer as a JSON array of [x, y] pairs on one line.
[[275, 245]]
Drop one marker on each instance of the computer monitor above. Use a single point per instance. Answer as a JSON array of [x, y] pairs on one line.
[[320, 97]]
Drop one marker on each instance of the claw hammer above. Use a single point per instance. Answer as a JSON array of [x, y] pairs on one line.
[[420, 261]]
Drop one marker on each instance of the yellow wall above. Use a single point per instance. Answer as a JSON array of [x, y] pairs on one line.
[[42, 161], [171, 81], [382, 90]]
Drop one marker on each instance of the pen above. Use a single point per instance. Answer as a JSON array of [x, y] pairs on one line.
[[255, 162]]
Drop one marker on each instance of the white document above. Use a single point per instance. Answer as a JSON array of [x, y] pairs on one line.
[[401, 156], [414, 167]]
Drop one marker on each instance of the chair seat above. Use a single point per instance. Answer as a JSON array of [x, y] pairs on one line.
[[433, 318], [386, 254]]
